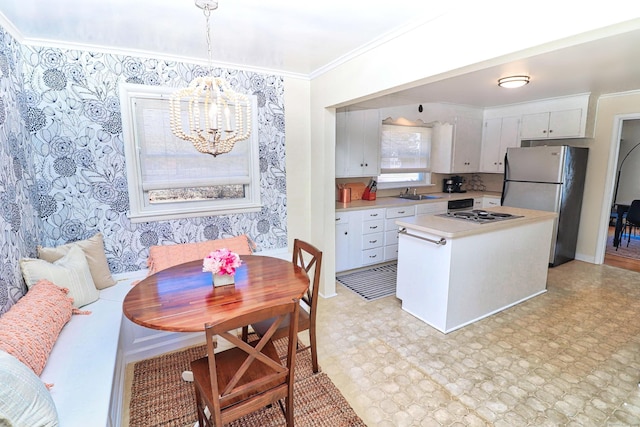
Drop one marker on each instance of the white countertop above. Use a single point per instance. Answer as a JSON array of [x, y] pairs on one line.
[[393, 201], [452, 228]]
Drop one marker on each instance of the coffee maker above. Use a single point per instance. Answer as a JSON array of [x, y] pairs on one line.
[[453, 184]]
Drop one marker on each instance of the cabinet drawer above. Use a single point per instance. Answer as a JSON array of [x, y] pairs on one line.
[[342, 218], [390, 252], [372, 226], [373, 240], [401, 212], [373, 256], [391, 237], [372, 214], [431, 208]]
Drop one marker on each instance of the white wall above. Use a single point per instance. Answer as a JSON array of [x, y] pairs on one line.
[[470, 35], [298, 159]]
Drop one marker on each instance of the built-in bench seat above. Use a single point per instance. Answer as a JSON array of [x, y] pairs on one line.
[[83, 363], [88, 361]]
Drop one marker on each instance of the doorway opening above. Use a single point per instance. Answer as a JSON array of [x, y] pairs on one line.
[[626, 189]]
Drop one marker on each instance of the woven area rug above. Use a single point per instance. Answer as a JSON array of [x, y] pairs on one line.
[[373, 283], [632, 251], [159, 396]]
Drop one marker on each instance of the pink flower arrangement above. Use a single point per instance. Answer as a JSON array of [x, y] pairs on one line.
[[222, 261]]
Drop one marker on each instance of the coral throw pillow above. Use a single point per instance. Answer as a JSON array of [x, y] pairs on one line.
[[163, 257], [31, 326]]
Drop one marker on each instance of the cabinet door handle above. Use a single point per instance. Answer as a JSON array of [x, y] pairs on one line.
[[373, 227], [550, 130], [373, 215], [372, 256], [373, 241], [338, 219], [401, 212], [346, 232]]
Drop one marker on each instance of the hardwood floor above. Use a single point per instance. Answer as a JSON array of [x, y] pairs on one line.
[[621, 262]]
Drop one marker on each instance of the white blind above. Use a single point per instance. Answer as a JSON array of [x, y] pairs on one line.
[[169, 162], [405, 149]]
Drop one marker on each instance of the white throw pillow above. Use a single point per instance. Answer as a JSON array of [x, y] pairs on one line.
[[24, 400], [93, 249], [71, 272]]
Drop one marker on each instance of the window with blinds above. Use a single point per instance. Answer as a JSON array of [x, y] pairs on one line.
[[404, 155], [168, 178]]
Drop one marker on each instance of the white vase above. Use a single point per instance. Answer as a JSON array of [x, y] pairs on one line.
[[223, 279]]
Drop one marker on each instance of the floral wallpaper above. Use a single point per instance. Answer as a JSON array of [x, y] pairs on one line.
[[19, 225], [62, 135]]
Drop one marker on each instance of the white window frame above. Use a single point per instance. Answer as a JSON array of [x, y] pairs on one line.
[[425, 172], [140, 210]]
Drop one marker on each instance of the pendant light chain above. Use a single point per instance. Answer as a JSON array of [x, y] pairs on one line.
[[207, 14]]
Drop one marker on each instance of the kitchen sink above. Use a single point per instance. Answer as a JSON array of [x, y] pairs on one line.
[[418, 196]]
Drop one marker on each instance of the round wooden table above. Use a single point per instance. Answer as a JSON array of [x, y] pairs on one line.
[[182, 298]]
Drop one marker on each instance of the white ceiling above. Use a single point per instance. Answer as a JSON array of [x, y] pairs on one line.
[[303, 38]]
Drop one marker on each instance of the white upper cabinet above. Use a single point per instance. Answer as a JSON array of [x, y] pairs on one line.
[[555, 118], [357, 143], [553, 124], [456, 148], [497, 135]]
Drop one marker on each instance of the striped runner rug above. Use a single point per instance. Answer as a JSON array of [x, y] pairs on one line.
[[373, 283]]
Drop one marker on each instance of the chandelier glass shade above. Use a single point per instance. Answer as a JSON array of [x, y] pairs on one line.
[[209, 113]]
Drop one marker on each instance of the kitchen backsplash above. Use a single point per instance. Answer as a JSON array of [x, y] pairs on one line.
[[491, 181]]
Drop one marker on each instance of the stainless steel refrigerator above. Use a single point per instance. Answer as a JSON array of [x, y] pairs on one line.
[[549, 178]]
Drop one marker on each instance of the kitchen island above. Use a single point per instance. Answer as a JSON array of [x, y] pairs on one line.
[[453, 272]]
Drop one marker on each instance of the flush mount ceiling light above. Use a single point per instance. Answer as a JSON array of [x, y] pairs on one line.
[[208, 113], [513, 81]]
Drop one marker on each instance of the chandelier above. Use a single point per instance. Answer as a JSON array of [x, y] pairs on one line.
[[208, 113]]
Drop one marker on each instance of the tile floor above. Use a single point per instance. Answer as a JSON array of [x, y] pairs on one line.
[[569, 357]]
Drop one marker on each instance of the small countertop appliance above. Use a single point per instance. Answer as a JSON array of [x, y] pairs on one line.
[[453, 185]]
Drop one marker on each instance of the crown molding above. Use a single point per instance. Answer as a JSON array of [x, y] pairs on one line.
[[384, 38]]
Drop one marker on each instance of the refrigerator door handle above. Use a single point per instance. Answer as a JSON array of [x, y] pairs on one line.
[[504, 181]]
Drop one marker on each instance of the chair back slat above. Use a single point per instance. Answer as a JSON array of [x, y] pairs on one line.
[[312, 266]]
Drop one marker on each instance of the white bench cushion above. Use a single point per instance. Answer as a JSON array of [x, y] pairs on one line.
[[82, 363]]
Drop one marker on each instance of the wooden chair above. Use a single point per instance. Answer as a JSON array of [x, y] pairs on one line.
[[246, 378], [309, 258]]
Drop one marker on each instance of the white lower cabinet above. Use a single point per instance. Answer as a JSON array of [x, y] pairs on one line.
[[391, 229], [372, 240], [347, 240]]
